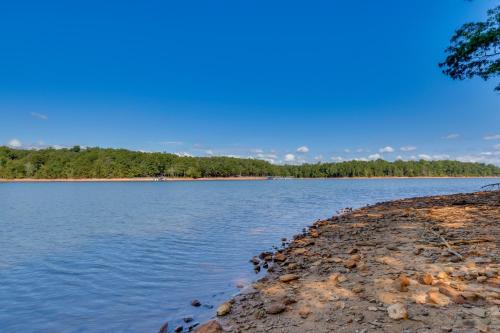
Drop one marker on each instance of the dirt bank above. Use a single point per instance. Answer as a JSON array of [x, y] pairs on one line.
[[417, 265]]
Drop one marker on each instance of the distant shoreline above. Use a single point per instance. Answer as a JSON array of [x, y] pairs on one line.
[[152, 179]]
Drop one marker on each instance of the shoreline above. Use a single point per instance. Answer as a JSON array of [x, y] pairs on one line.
[[244, 178], [395, 266]]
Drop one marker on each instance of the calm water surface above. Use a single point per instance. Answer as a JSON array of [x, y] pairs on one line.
[[126, 257]]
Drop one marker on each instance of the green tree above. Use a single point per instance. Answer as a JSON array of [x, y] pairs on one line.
[[475, 50]]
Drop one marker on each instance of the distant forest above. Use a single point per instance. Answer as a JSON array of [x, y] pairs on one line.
[[120, 163]]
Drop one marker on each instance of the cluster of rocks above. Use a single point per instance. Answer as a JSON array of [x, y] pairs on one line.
[[415, 265]]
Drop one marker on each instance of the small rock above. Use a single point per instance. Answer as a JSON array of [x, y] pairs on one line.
[[178, 329], [397, 311], [356, 257], [195, 303], [304, 312], [479, 312], [426, 279], [279, 257], [163, 328], [224, 309], [470, 264], [372, 308], [494, 312], [288, 277], [358, 289], [482, 279], [402, 283], [255, 261], [352, 251], [350, 263], [275, 308], [187, 319], [212, 326], [442, 275], [451, 293], [437, 298]]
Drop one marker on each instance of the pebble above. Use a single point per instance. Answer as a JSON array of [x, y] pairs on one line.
[[304, 312], [212, 326], [288, 277], [275, 308], [426, 279], [279, 257], [163, 328], [437, 298], [402, 283], [195, 303], [397, 311], [224, 309], [479, 312]]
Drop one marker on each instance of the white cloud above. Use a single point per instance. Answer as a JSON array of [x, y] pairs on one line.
[[257, 150], [302, 149], [483, 157], [497, 147], [289, 157], [424, 157], [209, 152], [347, 150], [184, 154], [39, 116], [271, 158], [408, 148], [14, 143], [399, 157], [318, 158], [387, 149], [441, 157], [452, 136], [492, 137], [337, 158], [374, 156]]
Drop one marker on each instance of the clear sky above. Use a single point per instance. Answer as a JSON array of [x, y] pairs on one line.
[[280, 80]]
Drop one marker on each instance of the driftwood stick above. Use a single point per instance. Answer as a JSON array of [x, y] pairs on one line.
[[450, 249]]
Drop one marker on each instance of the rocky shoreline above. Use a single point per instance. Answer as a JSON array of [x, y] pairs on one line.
[[427, 264]]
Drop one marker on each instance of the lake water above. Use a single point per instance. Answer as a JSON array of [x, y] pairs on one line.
[[126, 257]]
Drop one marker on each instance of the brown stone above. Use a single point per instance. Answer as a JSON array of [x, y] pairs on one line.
[[212, 326], [358, 289], [279, 257], [288, 277], [397, 311], [304, 312], [402, 283], [275, 308], [224, 309], [426, 279], [437, 298], [350, 263], [451, 293]]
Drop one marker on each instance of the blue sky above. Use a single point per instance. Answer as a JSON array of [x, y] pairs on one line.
[[286, 81]]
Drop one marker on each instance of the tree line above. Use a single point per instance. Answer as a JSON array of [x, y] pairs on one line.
[[121, 163]]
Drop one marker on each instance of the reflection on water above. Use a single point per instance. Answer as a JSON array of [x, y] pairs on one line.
[[126, 257]]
